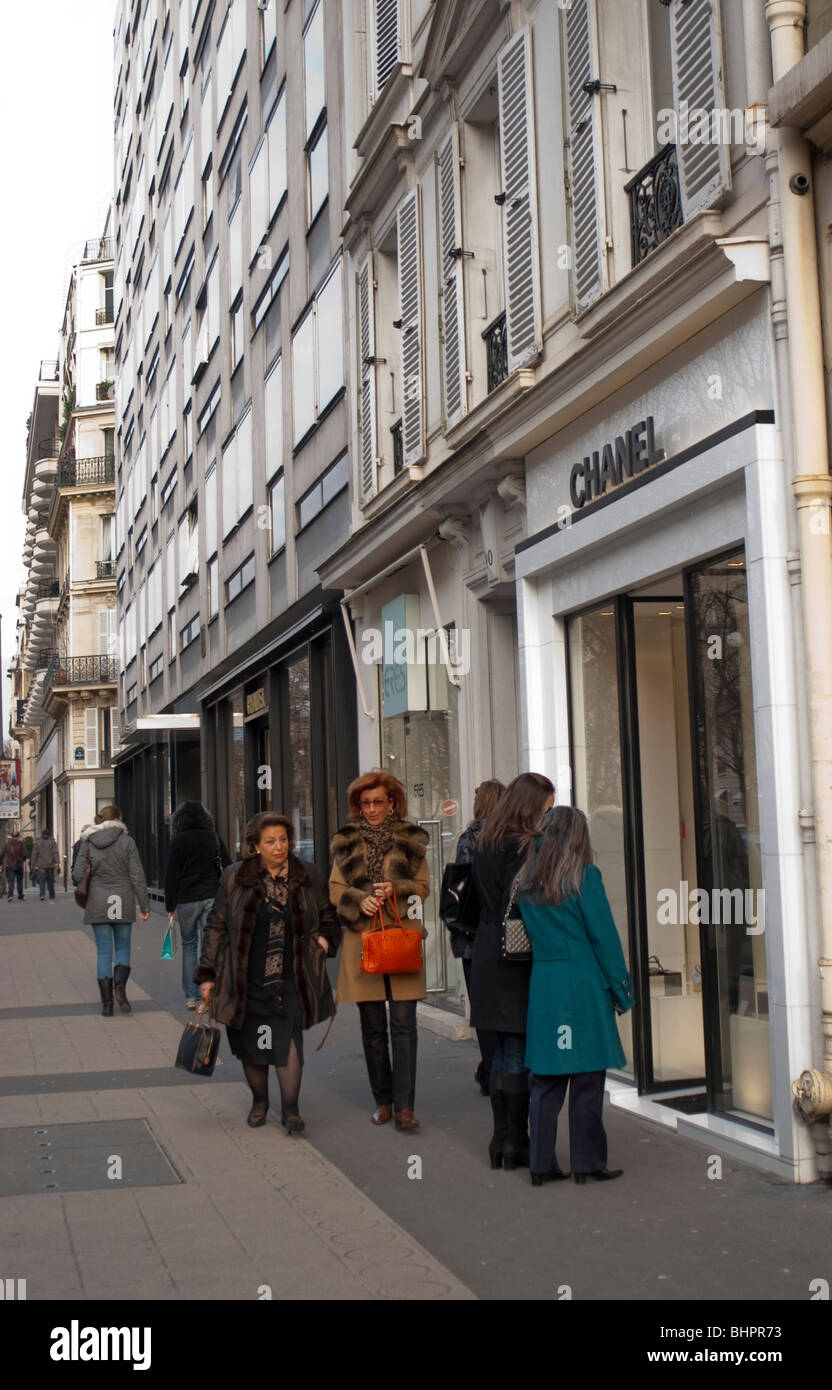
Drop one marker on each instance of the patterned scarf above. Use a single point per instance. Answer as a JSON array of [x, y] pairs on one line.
[[378, 841], [277, 896]]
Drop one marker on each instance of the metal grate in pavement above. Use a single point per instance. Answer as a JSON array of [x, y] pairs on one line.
[[96, 1154]]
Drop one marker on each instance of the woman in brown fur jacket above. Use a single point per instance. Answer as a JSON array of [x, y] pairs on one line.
[[379, 855]]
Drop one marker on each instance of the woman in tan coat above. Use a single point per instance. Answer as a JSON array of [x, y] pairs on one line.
[[378, 856]]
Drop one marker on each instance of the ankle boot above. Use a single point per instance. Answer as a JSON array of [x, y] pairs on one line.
[[516, 1143], [498, 1110], [121, 974], [105, 989]]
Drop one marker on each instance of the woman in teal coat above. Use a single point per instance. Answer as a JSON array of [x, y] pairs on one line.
[[579, 980]]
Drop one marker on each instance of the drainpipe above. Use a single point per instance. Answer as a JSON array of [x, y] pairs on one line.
[[812, 488]]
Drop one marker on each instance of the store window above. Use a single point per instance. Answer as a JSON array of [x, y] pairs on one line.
[[235, 775], [299, 753]]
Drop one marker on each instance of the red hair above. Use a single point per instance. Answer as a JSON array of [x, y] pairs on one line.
[[368, 782]]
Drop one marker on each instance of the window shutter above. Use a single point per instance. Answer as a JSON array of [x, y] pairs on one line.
[[454, 401], [103, 632], [410, 302], [517, 161], [696, 54], [91, 737], [366, 350], [585, 162], [114, 733], [386, 41]]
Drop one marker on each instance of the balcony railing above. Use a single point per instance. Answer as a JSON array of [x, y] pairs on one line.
[[49, 448], [48, 370], [47, 588], [99, 249], [105, 390], [496, 347], [398, 448], [655, 203], [81, 670], [20, 706], [105, 569], [86, 472], [104, 316]]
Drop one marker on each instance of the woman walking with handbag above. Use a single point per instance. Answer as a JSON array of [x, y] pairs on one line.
[[196, 860], [263, 965], [378, 864], [111, 881], [499, 988], [579, 981]]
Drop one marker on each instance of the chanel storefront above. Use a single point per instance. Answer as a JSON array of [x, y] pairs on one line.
[[658, 657]]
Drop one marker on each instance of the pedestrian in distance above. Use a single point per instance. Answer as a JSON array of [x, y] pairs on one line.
[[117, 884], [15, 855], [486, 796], [263, 963], [579, 981], [45, 861], [196, 860], [379, 860], [499, 988]]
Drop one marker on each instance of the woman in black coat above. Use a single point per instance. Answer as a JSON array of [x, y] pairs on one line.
[[267, 939], [500, 990], [196, 859]]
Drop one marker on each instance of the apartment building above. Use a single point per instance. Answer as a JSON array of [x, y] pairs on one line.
[[231, 416], [65, 667], [567, 248]]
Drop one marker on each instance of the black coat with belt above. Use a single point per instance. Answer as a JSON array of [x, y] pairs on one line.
[[499, 991], [229, 928]]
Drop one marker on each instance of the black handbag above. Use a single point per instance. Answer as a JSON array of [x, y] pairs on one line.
[[459, 904], [199, 1044]]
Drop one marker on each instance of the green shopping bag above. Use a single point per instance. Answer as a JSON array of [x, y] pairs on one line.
[[169, 942]]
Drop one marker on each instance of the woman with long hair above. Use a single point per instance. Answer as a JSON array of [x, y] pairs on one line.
[[500, 989], [579, 981], [117, 886], [486, 796], [267, 938], [379, 858]]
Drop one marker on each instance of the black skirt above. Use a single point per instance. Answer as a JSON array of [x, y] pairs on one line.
[[283, 1030]]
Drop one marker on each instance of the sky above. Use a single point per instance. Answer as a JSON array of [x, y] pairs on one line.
[[56, 115]]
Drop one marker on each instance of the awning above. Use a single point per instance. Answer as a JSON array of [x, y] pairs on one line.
[[44, 782], [153, 728]]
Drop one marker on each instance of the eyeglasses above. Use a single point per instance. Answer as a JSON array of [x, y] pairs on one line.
[[375, 801]]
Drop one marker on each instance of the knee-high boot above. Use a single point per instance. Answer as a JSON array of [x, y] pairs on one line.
[[498, 1110], [121, 974], [516, 1143], [105, 989]]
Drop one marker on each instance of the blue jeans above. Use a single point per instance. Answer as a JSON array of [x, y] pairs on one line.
[[46, 877], [109, 936], [191, 918], [509, 1063], [14, 873]]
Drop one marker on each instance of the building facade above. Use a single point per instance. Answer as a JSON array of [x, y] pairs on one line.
[[231, 417]]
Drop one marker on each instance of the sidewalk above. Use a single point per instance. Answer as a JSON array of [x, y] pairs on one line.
[[241, 1209]]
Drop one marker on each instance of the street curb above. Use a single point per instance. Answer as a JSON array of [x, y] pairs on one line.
[[446, 1025]]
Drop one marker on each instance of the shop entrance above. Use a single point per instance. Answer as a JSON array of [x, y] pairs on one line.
[[665, 769]]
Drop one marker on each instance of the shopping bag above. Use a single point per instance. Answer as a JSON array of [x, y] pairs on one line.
[[169, 941]]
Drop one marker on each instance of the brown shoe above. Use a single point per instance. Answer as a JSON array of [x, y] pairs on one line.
[[406, 1120], [382, 1115]]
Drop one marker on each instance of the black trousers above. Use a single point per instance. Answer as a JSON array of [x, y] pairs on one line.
[[587, 1137], [391, 1085], [486, 1039]]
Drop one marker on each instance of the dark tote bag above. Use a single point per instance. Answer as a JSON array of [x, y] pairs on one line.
[[199, 1045], [459, 904], [82, 888]]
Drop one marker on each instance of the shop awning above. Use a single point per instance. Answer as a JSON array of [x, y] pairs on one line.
[[150, 728]]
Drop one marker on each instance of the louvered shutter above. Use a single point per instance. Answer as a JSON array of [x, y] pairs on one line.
[[450, 241], [367, 376], [114, 730], [386, 41], [517, 161], [103, 632], [91, 737], [584, 156], [696, 53], [410, 301]]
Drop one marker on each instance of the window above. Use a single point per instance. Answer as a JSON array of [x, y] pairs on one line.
[[269, 294], [384, 39], [317, 358], [277, 509], [258, 187], [230, 50], [189, 633], [239, 580], [154, 598], [213, 588], [167, 490], [183, 198], [313, 69], [237, 476], [333, 481], [155, 669], [210, 510], [172, 636], [273, 417], [237, 333], [276, 139], [107, 526], [318, 167], [207, 195], [235, 251], [208, 409], [188, 546], [268, 28]]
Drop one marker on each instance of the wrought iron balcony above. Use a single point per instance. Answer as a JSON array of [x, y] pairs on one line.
[[49, 448], [105, 390], [86, 472], [105, 569], [398, 447], [81, 670], [20, 706], [655, 203], [47, 588], [496, 347], [99, 249], [104, 315]]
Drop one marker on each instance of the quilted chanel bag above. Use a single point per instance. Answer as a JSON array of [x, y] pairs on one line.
[[515, 946]]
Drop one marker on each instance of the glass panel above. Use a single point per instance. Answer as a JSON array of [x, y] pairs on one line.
[[299, 753], [318, 173], [313, 68], [726, 765], [236, 775], [674, 965], [596, 761]]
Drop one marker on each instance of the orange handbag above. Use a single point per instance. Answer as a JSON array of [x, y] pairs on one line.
[[391, 950]]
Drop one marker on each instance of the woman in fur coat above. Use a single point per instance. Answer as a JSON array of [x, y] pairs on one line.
[[379, 856]]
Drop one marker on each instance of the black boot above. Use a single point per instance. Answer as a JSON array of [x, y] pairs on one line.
[[481, 1078], [516, 1143], [121, 975], [498, 1110], [105, 989]]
